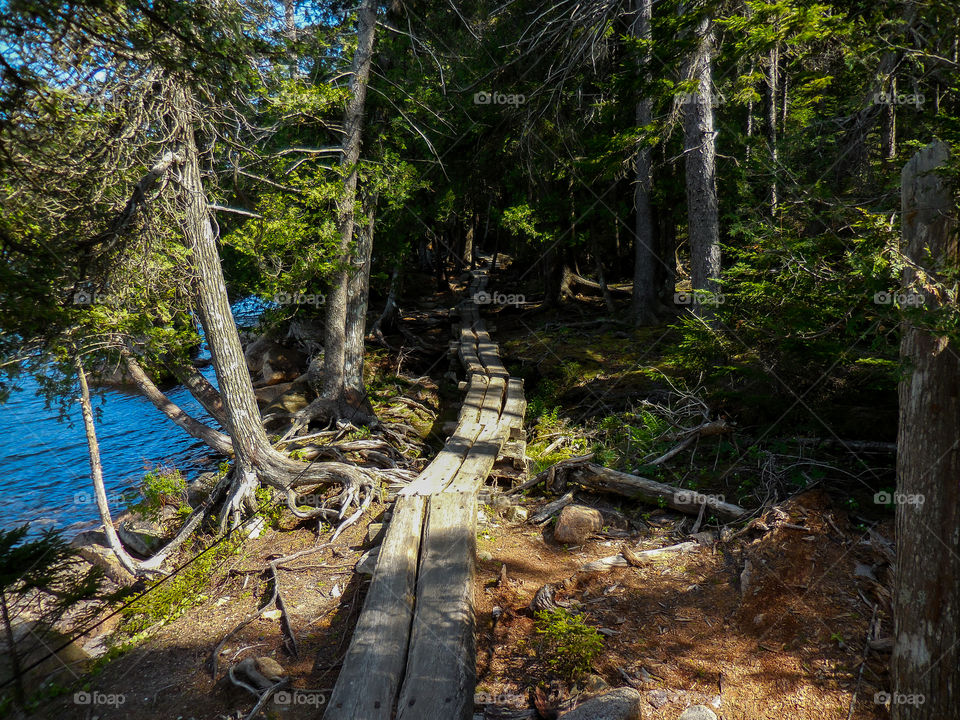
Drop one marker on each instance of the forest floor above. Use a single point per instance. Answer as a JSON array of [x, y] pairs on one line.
[[787, 639]]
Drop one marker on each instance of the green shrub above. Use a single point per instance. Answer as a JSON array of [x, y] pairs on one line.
[[566, 643]]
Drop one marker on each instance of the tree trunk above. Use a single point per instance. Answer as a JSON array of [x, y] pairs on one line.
[[468, 242], [216, 440], [700, 166], [357, 301], [334, 388], [888, 135], [255, 457], [773, 78], [644, 304], [201, 389], [926, 651], [96, 475]]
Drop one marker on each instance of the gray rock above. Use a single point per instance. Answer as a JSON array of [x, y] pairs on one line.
[[698, 712], [516, 514], [34, 641], [199, 490], [142, 536], [621, 704], [92, 547], [484, 556], [368, 561], [576, 523]]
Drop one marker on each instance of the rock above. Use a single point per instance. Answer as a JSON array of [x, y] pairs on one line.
[[199, 490], [500, 503], [254, 529], [484, 556], [516, 514], [289, 402], [595, 684], [141, 536], [698, 712], [368, 561], [281, 364], [620, 704], [375, 532], [92, 547], [576, 523], [270, 668]]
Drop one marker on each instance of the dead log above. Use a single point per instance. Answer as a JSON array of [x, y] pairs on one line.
[[636, 558], [551, 509], [594, 477]]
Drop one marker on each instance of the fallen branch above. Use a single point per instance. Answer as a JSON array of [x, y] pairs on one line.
[[598, 478], [636, 558], [551, 509], [549, 474]]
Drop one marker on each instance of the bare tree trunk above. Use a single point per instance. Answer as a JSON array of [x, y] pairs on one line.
[[201, 389], [216, 440], [255, 457], [926, 652], [468, 242], [334, 388], [644, 303], [700, 166], [96, 475], [888, 135], [357, 300], [773, 77]]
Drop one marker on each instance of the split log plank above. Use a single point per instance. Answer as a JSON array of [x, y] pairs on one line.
[[374, 664], [441, 666]]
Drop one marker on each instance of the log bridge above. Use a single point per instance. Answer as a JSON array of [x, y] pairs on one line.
[[413, 652]]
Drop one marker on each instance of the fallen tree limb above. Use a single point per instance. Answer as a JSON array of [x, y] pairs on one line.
[[551, 509], [597, 478], [549, 475], [619, 560]]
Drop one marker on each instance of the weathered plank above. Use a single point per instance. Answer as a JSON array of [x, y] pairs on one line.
[[441, 673], [446, 464], [479, 462], [514, 408], [493, 401], [374, 664]]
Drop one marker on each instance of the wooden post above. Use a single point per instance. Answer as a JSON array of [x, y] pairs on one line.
[[926, 654]]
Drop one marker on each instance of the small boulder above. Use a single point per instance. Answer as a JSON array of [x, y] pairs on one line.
[[576, 523], [620, 704], [199, 490], [698, 712], [368, 561], [289, 402], [91, 545], [142, 536], [282, 364], [516, 514]]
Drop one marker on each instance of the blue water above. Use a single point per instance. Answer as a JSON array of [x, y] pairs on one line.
[[44, 467]]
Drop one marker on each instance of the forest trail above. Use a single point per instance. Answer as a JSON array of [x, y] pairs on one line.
[[414, 644]]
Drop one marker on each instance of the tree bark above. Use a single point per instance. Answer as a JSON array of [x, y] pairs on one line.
[[644, 304], [201, 389], [334, 388], [700, 166], [888, 135], [216, 440], [926, 603], [773, 79], [255, 457], [358, 297], [96, 475]]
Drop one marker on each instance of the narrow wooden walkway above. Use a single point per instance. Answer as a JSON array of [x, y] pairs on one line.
[[413, 649]]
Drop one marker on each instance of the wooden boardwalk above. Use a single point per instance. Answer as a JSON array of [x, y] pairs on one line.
[[413, 653]]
